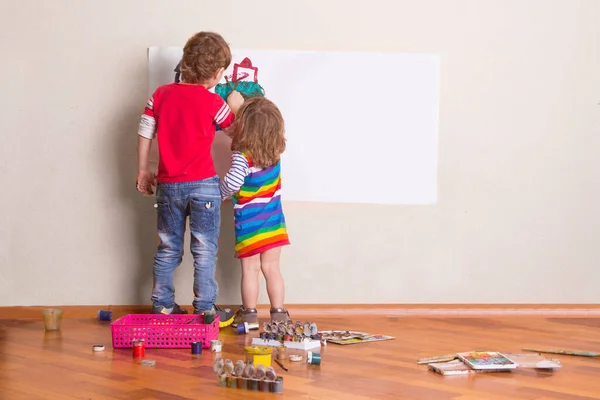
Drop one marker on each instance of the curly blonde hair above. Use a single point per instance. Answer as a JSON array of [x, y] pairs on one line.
[[203, 55], [259, 132]]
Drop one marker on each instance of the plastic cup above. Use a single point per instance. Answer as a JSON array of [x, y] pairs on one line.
[[52, 318]]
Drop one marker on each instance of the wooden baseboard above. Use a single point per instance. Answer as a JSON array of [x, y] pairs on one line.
[[382, 310]]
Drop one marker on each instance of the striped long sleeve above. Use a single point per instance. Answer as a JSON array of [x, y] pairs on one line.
[[234, 179], [147, 126], [223, 115]]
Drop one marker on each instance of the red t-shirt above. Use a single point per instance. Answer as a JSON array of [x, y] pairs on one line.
[[183, 118]]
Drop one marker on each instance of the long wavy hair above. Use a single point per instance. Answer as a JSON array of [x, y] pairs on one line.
[[259, 132]]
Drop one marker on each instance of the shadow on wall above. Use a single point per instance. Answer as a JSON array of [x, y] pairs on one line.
[[142, 214], [229, 272], [142, 221]]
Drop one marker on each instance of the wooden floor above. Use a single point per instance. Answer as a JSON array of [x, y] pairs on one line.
[[39, 365]]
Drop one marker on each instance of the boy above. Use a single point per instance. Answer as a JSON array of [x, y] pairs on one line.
[[183, 117]]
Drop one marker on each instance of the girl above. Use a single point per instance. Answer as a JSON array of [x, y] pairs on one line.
[[254, 182]]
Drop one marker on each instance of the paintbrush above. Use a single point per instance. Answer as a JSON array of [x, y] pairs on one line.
[[567, 352], [436, 359], [280, 364], [229, 84]]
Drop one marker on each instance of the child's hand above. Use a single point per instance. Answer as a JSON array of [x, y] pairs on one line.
[[235, 101], [145, 183]]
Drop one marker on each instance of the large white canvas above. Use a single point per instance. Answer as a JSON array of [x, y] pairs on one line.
[[361, 127]]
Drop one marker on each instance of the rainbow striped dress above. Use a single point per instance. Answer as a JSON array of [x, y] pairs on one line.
[[258, 214]]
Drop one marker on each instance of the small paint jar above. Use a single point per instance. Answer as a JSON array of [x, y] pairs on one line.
[[252, 384], [232, 382], [263, 335], [242, 328], [209, 317], [196, 348], [276, 386], [281, 353], [287, 338], [264, 386], [313, 358], [104, 315], [139, 348], [223, 380], [242, 383], [216, 346]]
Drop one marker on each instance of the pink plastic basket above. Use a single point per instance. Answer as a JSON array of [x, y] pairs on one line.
[[161, 331]]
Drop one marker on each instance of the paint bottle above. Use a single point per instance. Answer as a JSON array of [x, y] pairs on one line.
[[253, 384], [104, 315], [209, 317], [196, 349], [276, 386], [281, 353], [139, 348], [313, 358], [232, 382], [242, 383], [243, 328], [216, 346], [263, 385]]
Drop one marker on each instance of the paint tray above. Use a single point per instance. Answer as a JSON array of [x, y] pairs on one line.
[[304, 345], [161, 331]]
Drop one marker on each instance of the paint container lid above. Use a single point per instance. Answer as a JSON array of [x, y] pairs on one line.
[[148, 363], [98, 347], [295, 357]]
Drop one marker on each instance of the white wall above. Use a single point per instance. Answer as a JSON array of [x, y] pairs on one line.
[[517, 219]]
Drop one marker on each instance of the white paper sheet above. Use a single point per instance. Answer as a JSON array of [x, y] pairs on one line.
[[360, 127]]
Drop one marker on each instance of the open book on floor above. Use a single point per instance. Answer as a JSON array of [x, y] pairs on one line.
[[523, 361], [352, 337], [457, 367]]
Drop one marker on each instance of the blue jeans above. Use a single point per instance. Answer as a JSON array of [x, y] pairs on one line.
[[201, 201]]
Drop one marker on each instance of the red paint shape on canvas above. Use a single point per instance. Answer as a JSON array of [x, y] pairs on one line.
[[245, 64]]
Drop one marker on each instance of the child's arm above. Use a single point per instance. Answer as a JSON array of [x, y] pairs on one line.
[[234, 179], [147, 131], [224, 113], [235, 100]]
